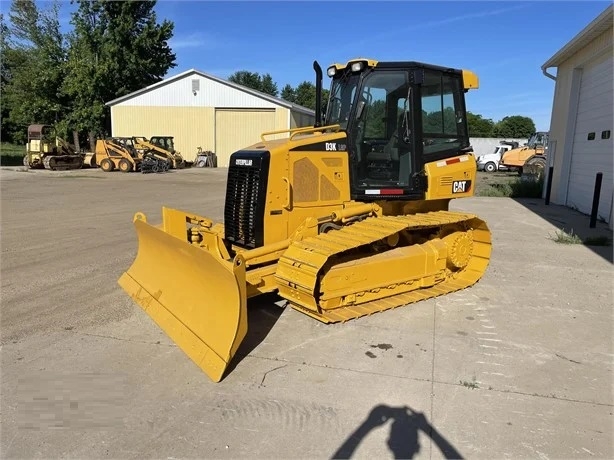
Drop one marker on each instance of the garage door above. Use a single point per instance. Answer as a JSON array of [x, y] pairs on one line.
[[236, 129], [593, 142]]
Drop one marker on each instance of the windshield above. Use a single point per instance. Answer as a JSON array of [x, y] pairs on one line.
[[340, 100], [536, 139]]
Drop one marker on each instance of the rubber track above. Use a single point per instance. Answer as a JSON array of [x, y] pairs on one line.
[[300, 266]]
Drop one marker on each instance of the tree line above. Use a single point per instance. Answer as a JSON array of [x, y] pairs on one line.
[[303, 94], [64, 80], [113, 49], [514, 126]]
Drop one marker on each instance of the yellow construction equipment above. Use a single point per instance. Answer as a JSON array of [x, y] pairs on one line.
[[533, 153], [164, 145], [112, 154], [119, 153], [343, 219], [46, 150]]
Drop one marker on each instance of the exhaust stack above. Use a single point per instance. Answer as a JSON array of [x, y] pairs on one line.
[[318, 70]]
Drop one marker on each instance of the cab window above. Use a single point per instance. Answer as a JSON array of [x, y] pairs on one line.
[[443, 125]]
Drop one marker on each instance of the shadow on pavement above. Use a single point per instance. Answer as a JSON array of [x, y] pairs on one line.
[[262, 314], [403, 437], [598, 239]]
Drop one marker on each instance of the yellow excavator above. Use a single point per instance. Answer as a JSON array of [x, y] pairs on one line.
[[343, 219]]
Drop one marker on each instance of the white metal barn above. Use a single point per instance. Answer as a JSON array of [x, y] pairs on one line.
[[581, 129], [201, 110]]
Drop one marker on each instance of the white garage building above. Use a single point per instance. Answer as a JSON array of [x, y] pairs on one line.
[[581, 129], [201, 110]]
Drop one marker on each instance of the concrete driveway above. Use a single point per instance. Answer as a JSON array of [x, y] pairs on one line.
[[519, 365]]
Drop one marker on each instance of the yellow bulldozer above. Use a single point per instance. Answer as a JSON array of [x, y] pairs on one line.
[[44, 149], [343, 219]]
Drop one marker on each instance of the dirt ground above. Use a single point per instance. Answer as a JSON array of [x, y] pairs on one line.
[[520, 365]]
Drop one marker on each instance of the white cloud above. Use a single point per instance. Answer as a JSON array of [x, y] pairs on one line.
[[195, 40], [416, 25]]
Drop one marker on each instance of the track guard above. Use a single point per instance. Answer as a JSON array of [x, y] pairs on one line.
[[197, 299]]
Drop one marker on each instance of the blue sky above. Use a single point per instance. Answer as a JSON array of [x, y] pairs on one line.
[[504, 42]]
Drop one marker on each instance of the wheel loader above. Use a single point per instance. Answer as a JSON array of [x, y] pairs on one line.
[[344, 219], [533, 153]]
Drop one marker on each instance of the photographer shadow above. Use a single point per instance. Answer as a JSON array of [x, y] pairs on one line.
[[403, 438]]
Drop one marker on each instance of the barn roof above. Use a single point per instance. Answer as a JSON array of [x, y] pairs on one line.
[[187, 73]]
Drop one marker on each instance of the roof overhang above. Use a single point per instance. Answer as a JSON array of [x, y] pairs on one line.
[[598, 26], [275, 100]]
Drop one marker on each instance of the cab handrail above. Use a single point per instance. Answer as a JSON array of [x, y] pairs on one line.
[[295, 131]]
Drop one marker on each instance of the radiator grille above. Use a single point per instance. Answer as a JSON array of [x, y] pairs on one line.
[[245, 199]]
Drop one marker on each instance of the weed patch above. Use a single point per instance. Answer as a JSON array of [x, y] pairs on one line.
[[516, 188], [472, 385], [563, 237]]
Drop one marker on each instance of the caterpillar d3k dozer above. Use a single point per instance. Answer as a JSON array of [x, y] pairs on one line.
[[344, 219]]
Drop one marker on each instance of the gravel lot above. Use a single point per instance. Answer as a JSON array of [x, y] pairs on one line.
[[519, 365]]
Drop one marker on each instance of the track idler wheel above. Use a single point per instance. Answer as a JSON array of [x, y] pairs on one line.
[[460, 248]]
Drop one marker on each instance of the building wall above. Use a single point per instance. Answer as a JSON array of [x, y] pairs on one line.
[[564, 110], [192, 127], [593, 154], [301, 120], [236, 129], [210, 93]]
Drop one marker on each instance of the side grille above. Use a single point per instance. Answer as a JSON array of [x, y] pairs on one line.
[[246, 198]]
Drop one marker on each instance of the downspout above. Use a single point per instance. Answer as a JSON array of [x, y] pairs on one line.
[[548, 181]]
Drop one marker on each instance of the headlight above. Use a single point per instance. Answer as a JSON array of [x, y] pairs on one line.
[[331, 71], [357, 66]]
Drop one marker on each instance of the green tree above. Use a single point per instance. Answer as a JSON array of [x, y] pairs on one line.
[[33, 56], [305, 95], [8, 62], [116, 48], [479, 126], [375, 125], [263, 83], [435, 123], [516, 126], [288, 94]]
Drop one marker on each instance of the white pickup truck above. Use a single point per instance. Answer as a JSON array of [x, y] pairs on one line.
[[490, 161]]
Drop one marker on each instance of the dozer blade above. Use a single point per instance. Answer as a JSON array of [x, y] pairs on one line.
[[198, 299]]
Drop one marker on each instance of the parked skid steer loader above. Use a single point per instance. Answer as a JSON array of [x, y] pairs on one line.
[[344, 219], [163, 145]]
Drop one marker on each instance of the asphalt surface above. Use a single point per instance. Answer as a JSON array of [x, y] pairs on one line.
[[519, 365]]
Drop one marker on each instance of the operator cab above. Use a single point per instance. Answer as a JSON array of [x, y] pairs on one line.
[[397, 117]]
